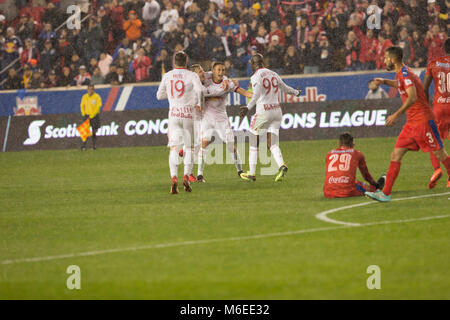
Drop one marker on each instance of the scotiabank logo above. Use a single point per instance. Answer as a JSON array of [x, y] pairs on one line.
[[34, 132]]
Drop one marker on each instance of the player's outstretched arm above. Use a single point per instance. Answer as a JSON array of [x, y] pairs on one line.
[[284, 87], [161, 94], [388, 82]]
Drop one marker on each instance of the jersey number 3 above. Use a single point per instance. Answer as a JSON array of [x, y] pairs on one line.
[[344, 162]]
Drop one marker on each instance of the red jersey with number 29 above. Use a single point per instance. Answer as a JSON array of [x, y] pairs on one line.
[[420, 111], [439, 69], [341, 165]]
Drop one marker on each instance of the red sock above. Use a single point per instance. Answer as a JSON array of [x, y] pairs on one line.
[[434, 161], [394, 169], [446, 163]]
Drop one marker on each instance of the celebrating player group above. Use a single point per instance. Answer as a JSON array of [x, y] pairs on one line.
[[197, 110]]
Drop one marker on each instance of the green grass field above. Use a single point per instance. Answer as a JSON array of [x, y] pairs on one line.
[[228, 239]]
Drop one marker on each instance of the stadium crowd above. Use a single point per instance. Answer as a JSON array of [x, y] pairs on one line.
[[124, 41]]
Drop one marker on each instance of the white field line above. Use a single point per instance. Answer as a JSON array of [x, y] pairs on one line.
[[208, 241], [324, 215]]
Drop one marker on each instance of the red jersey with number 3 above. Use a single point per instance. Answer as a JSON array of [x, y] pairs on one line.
[[439, 69], [340, 177], [420, 111]]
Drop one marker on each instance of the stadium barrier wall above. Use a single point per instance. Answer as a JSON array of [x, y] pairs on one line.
[[301, 121], [315, 88]]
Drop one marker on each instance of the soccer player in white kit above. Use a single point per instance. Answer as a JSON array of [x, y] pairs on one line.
[[266, 86], [184, 91], [215, 117]]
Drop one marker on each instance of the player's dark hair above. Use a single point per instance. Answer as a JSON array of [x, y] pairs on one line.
[[396, 52], [180, 59], [346, 139], [217, 63], [91, 86], [257, 61], [447, 46]]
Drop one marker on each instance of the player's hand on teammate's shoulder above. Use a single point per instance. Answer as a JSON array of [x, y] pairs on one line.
[[243, 111]]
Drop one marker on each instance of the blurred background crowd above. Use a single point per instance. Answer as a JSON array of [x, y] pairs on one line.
[[127, 41]]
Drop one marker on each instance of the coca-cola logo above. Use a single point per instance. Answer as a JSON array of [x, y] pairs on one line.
[[338, 180], [443, 100]]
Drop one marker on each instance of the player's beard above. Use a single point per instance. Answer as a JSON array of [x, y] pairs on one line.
[[390, 67]]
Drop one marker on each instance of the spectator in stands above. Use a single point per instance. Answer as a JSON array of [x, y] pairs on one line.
[[150, 15], [275, 31], [122, 76], [405, 42], [112, 77], [48, 57], [27, 76], [66, 78], [141, 66], [24, 28], [104, 63], [106, 22], [46, 34], [93, 63], [163, 64], [97, 77], [274, 54], [311, 55], [416, 11], [383, 44], [52, 15], [200, 47], [420, 51], [368, 51], [292, 61], [262, 39], [168, 18], [375, 91], [132, 26], [12, 81], [11, 46], [36, 80], [92, 39], [52, 80], [326, 53], [83, 78], [434, 40], [29, 53]]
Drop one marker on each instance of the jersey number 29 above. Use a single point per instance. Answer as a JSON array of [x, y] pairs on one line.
[[344, 162]]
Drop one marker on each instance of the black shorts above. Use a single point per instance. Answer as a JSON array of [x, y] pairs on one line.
[[95, 122]]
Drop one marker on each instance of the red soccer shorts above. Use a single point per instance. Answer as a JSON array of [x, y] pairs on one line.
[[424, 136], [443, 121], [358, 191]]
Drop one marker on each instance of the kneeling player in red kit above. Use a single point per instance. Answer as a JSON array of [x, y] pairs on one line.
[[341, 165]]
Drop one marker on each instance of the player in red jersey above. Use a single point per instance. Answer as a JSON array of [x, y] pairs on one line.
[[438, 71], [341, 165], [420, 130]]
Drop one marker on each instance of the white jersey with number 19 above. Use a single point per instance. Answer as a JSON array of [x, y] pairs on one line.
[[183, 89]]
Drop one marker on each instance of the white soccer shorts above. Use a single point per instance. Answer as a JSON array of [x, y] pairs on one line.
[[180, 132], [269, 121], [221, 127]]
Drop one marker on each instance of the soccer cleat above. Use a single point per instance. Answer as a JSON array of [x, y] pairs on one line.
[[181, 153], [281, 173], [448, 183], [83, 148], [192, 178], [174, 186], [381, 181], [247, 176], [200, 178], [435, 178], [378, 196], [186, 184]]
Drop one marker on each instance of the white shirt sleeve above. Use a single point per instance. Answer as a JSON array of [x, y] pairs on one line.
[[161, 94], [256, 86], [284, 87], [198, 88]]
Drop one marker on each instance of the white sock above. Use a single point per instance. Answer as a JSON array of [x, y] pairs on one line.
[[173, 162], [201, 161], [191, 167], [253, 159], [188, 163], [235, 156], [276, 152]]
